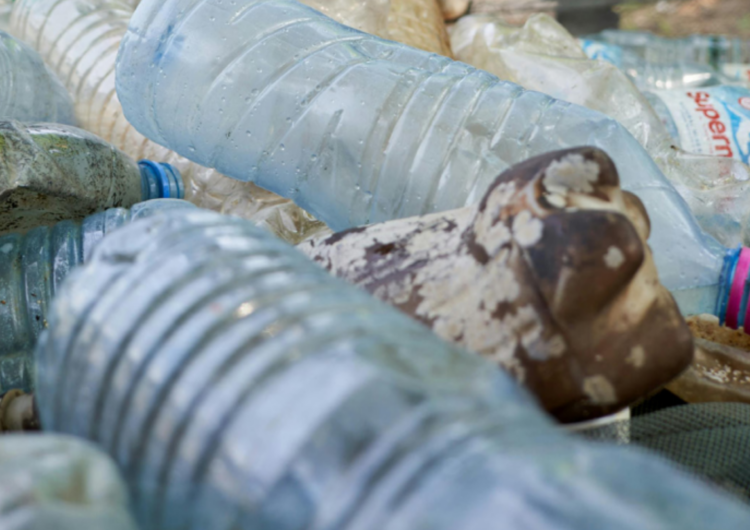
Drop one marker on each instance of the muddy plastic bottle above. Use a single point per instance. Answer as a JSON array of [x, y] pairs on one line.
[[59, 482], [79, 39], [32, 268], [29, 91], [238, 385], [51, 172]]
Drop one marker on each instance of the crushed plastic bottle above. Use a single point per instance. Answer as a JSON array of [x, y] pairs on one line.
[[510, 278], [32, 268], [51, 172], [79, 38], [29, 91], [543, 56], [239, 385], [376, 130], [61, 483]]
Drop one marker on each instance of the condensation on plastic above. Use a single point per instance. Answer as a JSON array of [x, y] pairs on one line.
[[32, 268], [543, 56], [61, 483], [358, 130], [238, 385], [79, 40], [29, 91]]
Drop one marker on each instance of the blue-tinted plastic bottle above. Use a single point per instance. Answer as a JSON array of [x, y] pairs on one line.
[[356, 129], [29, 91], [238, 385], [32, 267]]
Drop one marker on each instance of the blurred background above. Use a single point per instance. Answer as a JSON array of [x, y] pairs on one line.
[[671, 18]]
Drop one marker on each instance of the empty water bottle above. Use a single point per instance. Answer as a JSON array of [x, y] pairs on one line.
[[713, 120], [32, 268], [656, 63], [59, 482], [730, 55], [79, 38], [359, 130], [29, 91], [51, 172], [238, 385], [543, 56]]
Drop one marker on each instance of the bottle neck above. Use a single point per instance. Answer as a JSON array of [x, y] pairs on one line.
[[734, 287], [160, 181]]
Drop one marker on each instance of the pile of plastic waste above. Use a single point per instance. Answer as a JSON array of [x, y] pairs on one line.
[[278, 264]]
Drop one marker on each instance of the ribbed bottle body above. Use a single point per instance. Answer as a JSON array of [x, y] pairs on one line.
[[59, 482], [32, 267], [356, 129], [238, 385], [80, 39], [29, 91]]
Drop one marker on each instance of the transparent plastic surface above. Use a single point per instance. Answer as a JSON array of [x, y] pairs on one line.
[[61, 483], [239, 386], [29, 91], [51, 172], [543, 56], [32, 268], [358, 130], [714, 50], [79, 39]]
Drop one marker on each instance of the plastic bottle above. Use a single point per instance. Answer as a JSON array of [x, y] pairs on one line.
[[51, 172], [729, 55], [238, 385], [79, 39], [59, 482], [372, 130], [543, 56], [32, 268], [657, 63], [29, 91]]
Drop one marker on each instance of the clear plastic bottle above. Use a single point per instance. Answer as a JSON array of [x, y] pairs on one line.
[[713, 120], [730, 55], [61, 483], [51, 172], [238, 385], [79, 39], [655, 62], [29, 91], [32, 268], [543, 56], [359, 130]]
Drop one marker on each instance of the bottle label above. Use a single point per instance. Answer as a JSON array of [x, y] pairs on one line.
[[738, 71], [601, 50], [711, 121]]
